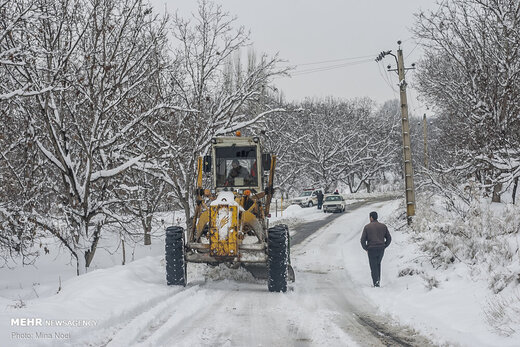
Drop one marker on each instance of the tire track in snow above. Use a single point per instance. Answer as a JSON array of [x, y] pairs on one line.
[[327, 276], [191, 309], [323, 307], [223, 321], [104, 333], [240, 314], [140, 326]]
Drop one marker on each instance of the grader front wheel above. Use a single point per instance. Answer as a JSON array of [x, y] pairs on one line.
[[278, 258], [175, 256]]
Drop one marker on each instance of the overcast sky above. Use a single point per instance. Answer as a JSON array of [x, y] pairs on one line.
[[337, 31]]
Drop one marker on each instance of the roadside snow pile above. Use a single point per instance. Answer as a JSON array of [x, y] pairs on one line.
[[55, 265], [478, 246], [486, 239], [295, 214], [380, 194], [93, 302], [448, 300]]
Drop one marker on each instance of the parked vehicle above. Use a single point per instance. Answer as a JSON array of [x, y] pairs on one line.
[[308, 198], [334, 203]]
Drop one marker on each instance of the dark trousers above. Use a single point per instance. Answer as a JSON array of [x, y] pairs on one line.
[[375, 255]]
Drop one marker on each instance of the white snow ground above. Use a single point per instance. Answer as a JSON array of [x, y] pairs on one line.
[[131, 305]]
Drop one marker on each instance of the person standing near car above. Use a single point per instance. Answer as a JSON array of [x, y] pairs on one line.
[[320, 199], [374, 239]]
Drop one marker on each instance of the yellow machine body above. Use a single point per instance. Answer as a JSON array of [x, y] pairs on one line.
[[232, 211], [224, 228]]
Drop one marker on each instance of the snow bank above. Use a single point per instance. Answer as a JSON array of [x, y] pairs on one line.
[[92, 302], [448, 304], [117, 305]]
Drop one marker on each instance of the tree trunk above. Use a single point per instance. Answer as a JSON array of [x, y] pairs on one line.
[[89, 253], [496, 192], [147, 238], [123, 248], [514, 190], [147, 231], [81, 264], [187, 213]]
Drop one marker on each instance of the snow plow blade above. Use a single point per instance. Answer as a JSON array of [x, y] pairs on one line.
[[259, 271]]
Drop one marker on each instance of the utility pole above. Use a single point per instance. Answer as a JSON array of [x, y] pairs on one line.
[[425, 138], [407, 151]]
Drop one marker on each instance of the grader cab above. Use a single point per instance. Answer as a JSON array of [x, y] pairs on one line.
[[230, 223]]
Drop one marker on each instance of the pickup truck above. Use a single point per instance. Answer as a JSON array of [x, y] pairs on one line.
[[308, 198]]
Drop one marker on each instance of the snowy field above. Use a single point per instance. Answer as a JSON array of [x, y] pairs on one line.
[[331, 303]]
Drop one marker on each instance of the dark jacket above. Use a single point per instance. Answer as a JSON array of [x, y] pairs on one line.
[[238, 171], [375, 235]]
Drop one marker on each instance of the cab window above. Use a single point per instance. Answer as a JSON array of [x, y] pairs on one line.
[[236, 166]]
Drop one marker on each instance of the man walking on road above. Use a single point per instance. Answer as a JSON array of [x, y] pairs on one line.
[[374, 239]]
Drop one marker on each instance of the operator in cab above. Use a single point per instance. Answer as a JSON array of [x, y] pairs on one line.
[[237, 171]]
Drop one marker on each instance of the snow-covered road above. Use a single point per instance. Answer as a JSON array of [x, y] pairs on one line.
[[331, 303], [131, 305], [323, 307]]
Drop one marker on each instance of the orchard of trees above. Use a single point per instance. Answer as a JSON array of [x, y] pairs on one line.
[[105, 107], [329, 143], [470, 76], [102, 118]]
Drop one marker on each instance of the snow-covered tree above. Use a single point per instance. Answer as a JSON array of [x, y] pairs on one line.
[[325, 142], [471, 75], [94, 60], [214, 102], [20, 170], [279, 136]]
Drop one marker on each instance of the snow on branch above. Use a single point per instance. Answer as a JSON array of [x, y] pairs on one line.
[[115, 171], [24, 92], [231, 128], [139, 119], [50, 156]]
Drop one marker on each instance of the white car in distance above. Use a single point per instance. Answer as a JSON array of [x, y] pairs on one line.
[[308, 198], [334, 203]]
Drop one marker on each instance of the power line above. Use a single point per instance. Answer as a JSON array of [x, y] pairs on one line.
[[335, 60], [329, 60], [329, 67], [386, 78]]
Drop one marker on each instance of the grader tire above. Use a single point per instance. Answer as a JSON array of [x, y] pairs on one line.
[[278, 258], [176, 273]]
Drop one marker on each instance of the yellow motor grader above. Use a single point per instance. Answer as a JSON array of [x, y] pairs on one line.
[[230, 223]]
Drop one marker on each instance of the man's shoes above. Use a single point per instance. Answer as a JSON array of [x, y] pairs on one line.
[[376, 284]]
